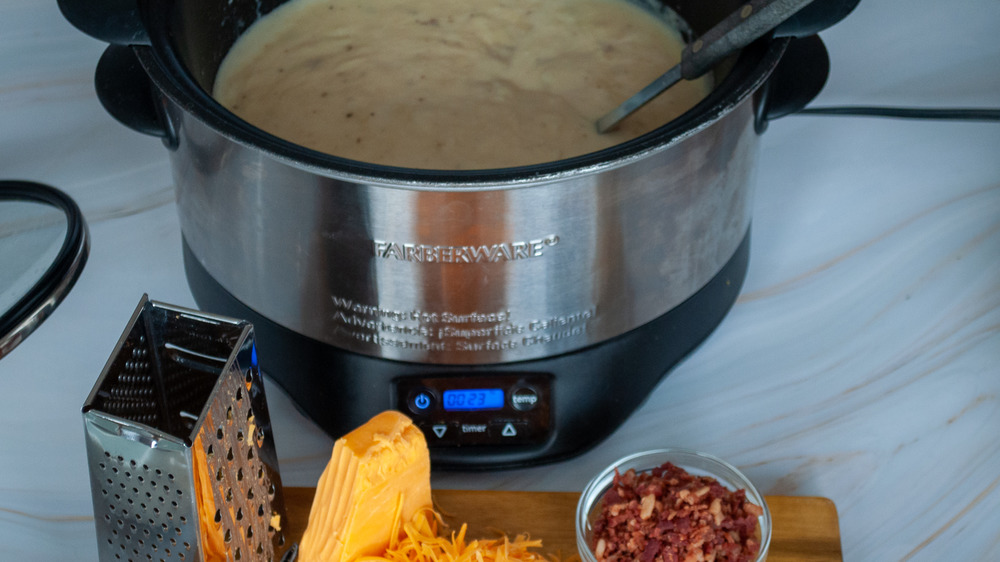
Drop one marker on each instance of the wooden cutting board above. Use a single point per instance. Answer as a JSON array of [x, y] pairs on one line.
[[805, 529]]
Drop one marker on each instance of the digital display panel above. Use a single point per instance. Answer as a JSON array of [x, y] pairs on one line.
[[473, 399]]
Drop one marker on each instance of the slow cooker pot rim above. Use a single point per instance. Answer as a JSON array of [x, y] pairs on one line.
[[171, 77]]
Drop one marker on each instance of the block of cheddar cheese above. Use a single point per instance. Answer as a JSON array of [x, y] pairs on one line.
[[377, 479]]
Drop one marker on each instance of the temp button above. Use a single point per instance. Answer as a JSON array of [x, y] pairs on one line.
[[524, 399]]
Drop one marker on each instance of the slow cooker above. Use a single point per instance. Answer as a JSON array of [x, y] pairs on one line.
[[519, 315]]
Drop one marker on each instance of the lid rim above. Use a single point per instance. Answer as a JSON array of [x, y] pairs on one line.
[[52, 287]]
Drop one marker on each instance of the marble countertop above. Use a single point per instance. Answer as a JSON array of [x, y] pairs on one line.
[[860, 363]]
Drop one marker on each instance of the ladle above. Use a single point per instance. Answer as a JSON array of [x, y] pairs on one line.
[[738, 30]]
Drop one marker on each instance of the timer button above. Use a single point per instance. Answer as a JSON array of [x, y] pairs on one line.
[[421, 401], [524, 399]]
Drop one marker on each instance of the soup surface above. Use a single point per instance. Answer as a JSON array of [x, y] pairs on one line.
[[452, 84]]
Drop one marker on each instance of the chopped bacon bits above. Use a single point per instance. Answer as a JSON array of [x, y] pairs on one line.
[[668, 515]]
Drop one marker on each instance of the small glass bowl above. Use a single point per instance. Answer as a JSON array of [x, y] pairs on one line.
[[694, 462]]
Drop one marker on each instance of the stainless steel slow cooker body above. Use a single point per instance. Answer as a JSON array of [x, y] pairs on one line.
[[570, 288], [455, 267]]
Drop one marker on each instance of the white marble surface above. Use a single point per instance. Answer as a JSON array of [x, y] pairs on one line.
[[861, 363]]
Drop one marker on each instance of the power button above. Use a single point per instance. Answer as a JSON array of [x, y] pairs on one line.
[[421, 401]]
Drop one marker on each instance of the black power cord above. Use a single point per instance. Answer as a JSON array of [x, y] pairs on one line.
[[957, 114]]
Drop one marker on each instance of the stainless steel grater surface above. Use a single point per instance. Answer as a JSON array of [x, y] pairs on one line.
[[182, 460]]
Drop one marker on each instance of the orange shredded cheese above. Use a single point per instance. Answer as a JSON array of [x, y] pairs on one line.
[[420, 541], [212, 542], [373, 504]]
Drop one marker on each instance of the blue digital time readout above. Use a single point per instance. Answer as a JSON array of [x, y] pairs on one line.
[[473, 399]]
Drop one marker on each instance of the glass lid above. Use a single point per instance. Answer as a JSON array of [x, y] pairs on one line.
[[43, 247]]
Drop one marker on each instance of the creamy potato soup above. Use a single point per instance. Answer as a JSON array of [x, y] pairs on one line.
[[452, 84]]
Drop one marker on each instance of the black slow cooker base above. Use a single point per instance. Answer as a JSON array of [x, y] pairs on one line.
[[593, 389]]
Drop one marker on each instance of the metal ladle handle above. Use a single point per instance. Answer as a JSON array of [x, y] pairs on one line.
[[738, 30]]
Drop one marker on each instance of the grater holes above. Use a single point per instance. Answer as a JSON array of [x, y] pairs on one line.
[[240, 481], [137, 499]]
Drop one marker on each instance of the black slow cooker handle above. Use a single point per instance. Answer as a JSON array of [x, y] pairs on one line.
[[817, 16], [803, 69], [113, 21], [795, 81], [125, 91]]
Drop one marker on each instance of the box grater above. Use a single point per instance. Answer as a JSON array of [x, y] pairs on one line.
[[182, 460]]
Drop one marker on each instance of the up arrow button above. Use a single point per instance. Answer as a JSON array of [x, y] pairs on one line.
[[504, 430]]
